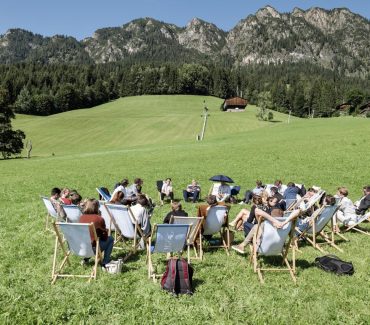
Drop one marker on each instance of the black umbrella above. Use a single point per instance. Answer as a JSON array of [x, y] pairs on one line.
[[221, 178]]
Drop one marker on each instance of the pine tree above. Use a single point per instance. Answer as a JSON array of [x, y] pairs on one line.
[[11, 142]]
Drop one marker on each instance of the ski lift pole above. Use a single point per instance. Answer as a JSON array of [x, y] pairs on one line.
[[205, 116]]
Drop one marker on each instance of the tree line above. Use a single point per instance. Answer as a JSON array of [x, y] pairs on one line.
[[302, 88]]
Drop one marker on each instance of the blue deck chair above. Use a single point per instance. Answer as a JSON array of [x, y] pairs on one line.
[[217, 222], [169, 239], [104, 193], [73, 212], [126, 226], [78, 239], [195, 233], [51, 212], [271, 241], [315, 227]]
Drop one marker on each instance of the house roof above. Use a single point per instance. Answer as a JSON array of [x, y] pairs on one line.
[[235, 101]]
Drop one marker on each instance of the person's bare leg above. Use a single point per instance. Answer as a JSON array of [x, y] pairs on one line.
[[240, 217]]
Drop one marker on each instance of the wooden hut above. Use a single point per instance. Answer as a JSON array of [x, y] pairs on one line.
[[235, 104]]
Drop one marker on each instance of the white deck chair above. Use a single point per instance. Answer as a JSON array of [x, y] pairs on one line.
[[320, 219], [77, 236], [126, 225], [51, 210], [216, 221], [195, 233], [304, 206], [273, 242], [107, 218], [169, 239], [73, 212]]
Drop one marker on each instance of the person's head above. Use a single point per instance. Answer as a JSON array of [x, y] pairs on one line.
[[142, 200], [366, 190], [278, 183], [290, 184], [272, 201], [176, 206], [274, 190], [91, 206], [124, 182], [329, 199], [257, 200], [194, 182], [138, 181], [75, 198], [65, 192], [259, 183], [211, 200], [312, 190], [168, 180], [55, 192], [264, 196], [117, 197], [342, 191]]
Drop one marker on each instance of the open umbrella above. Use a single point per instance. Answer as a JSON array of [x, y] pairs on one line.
[[221, 178]]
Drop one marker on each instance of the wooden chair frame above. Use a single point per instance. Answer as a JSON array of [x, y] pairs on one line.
[[60, 242], [290, 267], [329, 238], [194, 234], [356, 228], [121, 238], [151, 270]]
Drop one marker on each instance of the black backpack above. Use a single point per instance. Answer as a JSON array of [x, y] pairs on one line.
[[332, 263], [178, 277]]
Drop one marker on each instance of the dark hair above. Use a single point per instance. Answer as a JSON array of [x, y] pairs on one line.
[[168, 178], [329, 199], [176, 206], [75, 198], [290, 184], [257, 200], [278, 182], [211, 200], [55, 190], [367, 188], [258, 182], [142, 200], [138, 180], [124, 181], [274, 189], [117, 197]]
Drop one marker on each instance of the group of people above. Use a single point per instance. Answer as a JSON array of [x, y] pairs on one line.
[[268, 202]]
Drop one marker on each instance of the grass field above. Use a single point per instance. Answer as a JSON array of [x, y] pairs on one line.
[[154, 137]]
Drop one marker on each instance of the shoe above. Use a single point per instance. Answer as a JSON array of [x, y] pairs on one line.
[[241, 203], [85, 261], [103, 268], [238, 248]]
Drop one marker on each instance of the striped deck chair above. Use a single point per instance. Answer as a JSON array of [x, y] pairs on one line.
[[51, 212], [78, 240], [195, 234], [126, 226], [271, 241], [169, 239], [358, 222], [73, 212], [315, 227], [217, 222]]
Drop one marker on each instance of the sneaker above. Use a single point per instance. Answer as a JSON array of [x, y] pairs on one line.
[[241, 202], [238, 248]]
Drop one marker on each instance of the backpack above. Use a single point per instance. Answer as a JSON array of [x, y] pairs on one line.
[[178, 277], [332, 263]]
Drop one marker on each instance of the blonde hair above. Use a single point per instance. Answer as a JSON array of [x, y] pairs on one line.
[[91, 206], [343, 190]]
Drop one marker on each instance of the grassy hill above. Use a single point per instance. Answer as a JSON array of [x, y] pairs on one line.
[[154, 137]]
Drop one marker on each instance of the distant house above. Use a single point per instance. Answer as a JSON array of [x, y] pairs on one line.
[[235, 104], [343, 109], [365, 110]]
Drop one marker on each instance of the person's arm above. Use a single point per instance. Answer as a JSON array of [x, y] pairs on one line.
[[265, 215], [364, 205], [292, 216]]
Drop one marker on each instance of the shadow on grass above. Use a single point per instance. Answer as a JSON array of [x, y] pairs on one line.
[[196, 283], [276, 121]]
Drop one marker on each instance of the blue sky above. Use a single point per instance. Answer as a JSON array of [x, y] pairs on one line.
[[80, 18]]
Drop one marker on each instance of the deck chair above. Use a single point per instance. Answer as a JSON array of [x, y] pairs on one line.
[[51, 210], [359, 221], [126, 226], [214, 189], [320, 219], [73, 212], [273, 242], [195, 234], [103, 194], [169, 239], [304, 206], [107, 218], [77, 237], [290, 204], [217, 222]]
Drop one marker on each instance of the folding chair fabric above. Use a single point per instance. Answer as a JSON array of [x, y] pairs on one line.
[[49, 206], [78, 238], [170, 238], [323, 218], [73, 212], [123, 219], [215, 219], [103, 194]]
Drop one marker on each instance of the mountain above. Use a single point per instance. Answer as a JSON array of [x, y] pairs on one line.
[[334, 39]]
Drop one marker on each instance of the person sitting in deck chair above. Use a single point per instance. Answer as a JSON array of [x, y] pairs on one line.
[[364, 203], [167, 189], [192, 191], [56, 202], [176, 211], [224, 193], [269, 215], [346, 213], [250, 193], [91, 214], [64, 196], [140, 212]]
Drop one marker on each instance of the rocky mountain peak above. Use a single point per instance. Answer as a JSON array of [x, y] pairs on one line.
[[267, 11]]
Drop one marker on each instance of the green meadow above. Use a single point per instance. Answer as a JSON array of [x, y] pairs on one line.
[[154, 137]]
